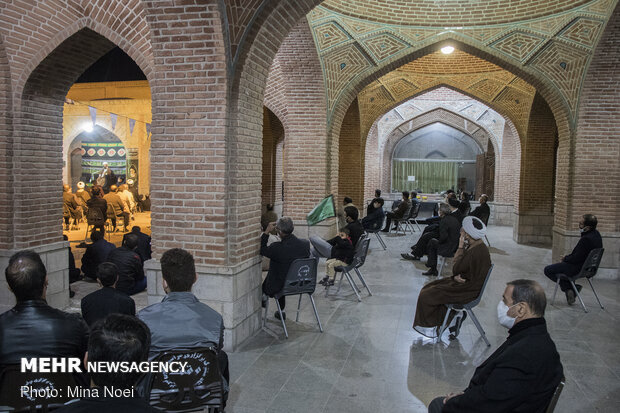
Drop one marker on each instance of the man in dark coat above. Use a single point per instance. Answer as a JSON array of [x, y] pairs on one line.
[[399, 212], [523, 373], [482, 211], [98, 304], [447, 242], [95, 254], [144, 243], [571, 264], [131, 279], [281, 254], [32, 328], [372, 206], [374, 219]]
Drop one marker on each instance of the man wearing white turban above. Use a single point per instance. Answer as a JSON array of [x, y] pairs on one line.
[[471, 265]]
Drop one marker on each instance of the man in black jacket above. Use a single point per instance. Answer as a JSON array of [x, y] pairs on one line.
[[447, 242], [131, 279], [400, 211], [374, 219], [571, 264], [32, 328], [482, 212], [95, 254], [144, 243], [281, 255], [98, 304], [523, 373]]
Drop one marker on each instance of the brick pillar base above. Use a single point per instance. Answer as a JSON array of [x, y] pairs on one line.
[[234, 292], [564, 242], [501, 214], [56, 260], [533, 228]]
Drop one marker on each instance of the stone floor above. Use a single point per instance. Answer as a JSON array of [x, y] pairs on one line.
[[368, 359]]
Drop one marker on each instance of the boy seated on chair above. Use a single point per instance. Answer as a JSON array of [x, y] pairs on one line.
[[341, 255]]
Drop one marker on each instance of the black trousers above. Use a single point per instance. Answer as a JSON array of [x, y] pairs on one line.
[[388, 219], [551, 271], [436, 405], [420, 248], [431, 250]]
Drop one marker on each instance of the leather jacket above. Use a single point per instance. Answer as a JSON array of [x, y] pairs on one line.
[[34, 329]]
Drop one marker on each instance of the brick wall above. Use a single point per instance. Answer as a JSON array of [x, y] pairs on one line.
[[351, 158], [273, 132], [6, 155]]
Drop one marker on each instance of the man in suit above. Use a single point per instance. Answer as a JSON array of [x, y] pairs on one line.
[[447, 242], [571, 264], [281, 253], [523, 373], [399, 212], [98, 304], [482, 211], [144, 243], [95, 254], [131, 279], [120, 209]]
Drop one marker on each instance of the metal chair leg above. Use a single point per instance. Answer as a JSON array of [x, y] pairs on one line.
[[478, 326], [353, 286], [443, 261], [282, 318], [557, 284], [485, 237], [316, 314], [595, 294], [298, 307], [381, 241], [444, 325], [578, 295], [266, 312], [359, 274]]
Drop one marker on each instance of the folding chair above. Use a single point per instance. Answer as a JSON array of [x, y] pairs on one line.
[[556, 396], [588, 270], [469, 309], [402, 222], [200, 386], [441, 261], [361, 251], [413, 218], [12, 379], [300, 279], [378, 235]]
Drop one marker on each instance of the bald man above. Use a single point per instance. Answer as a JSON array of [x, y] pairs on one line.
[[523, 373]]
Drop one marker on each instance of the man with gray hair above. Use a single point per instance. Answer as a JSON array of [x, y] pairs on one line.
[[281, 254], [523, 373]]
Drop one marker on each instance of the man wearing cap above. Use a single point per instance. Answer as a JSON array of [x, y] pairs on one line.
[[472, 262]]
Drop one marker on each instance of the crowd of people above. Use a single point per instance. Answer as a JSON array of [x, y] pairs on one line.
[[521, 375]]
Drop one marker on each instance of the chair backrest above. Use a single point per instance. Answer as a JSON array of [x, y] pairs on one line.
[[474, 303], [95, 217], [407, 212], [12, 380], [300, 278], [556, 396], [415, 211], [590, 266], [201, 384], [361, 250]]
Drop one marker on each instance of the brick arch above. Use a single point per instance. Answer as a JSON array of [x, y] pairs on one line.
[[556, 102], [6, 140], [124, 23], [38, 137]]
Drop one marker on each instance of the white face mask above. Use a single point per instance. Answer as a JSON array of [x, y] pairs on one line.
[[502, 315]]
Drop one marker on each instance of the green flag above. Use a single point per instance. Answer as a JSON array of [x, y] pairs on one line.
[[325, 209]]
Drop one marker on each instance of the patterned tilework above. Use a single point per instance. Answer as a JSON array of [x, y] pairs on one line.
[[355, 48], [518, 45]]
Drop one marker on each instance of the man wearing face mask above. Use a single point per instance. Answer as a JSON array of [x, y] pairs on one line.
[[570, 265], [523, 373]]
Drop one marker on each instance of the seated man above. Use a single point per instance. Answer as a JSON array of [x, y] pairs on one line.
[[571, 264], [32, 328], [342, 254], [399, 212], [119, 207], [144, 243], [371, 206], [117, 338], [98, 304], [281, 254], [322, 248], [71, 211], [464, 206], [180, 321], [131, 279], [268, 216], [445, 244], [95, 254], [523, 373], [374, 219], [482, 211], [471, 265]]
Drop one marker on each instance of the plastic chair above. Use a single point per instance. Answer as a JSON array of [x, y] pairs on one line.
[[469, 309], [588, 270], [361, 251], [200, 385], [300, 279], [403, 221], [12, 379], [413, 218], [556, 396]]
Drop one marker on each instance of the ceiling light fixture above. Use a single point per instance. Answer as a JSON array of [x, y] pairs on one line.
[[87, 127], [447, 49]]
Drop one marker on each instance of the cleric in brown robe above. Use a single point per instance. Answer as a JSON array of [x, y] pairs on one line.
[[471, 265]]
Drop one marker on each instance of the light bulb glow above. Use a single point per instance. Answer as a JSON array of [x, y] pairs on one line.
[[87, 127], [447, 49]]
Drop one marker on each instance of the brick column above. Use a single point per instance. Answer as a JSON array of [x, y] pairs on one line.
[[534, 215], [351, 159]]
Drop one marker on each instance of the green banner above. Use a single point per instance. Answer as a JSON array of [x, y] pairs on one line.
[[325, 209]]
